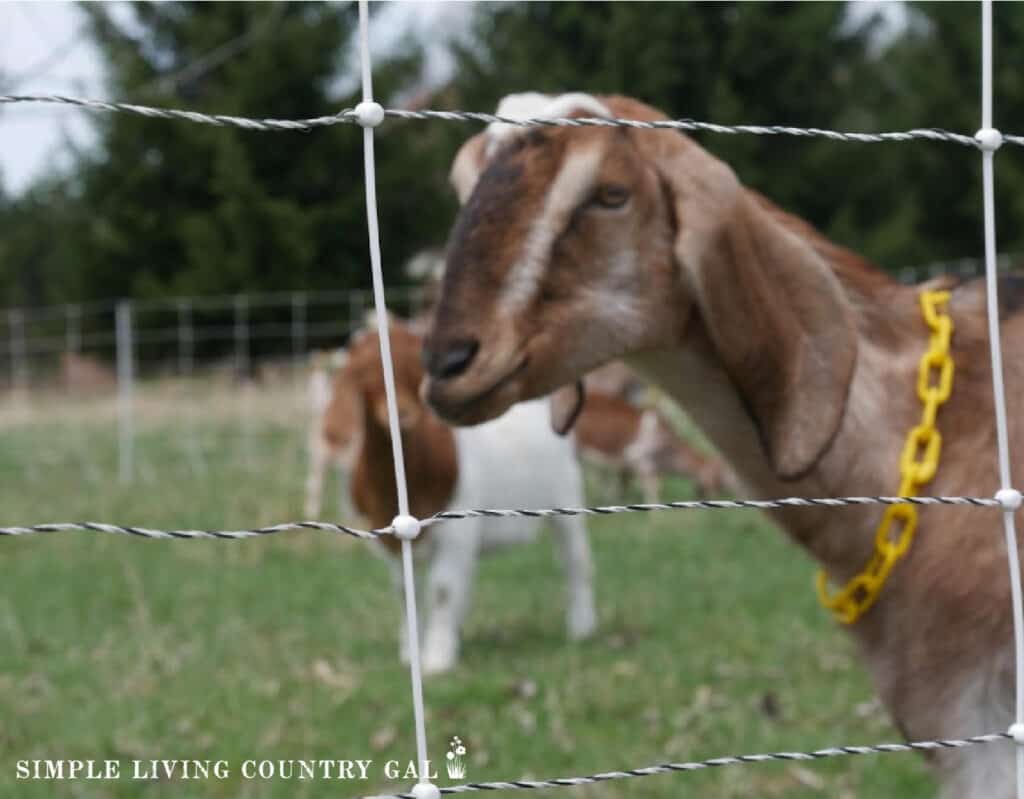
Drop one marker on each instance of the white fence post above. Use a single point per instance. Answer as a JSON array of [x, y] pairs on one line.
[[241, 336], [297, 373], [19, 363], [125, 393], [186, 338], [298, 325], [73, 328], [242, 375], [356, 303], [186, 366]]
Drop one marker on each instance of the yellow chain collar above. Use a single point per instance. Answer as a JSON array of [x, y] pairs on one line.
[[918, 463]]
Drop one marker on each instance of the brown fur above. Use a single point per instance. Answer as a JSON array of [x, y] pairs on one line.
[[429, 445], [607, 425], [610, 431], [617, 379], [799, 361], [342, 418]]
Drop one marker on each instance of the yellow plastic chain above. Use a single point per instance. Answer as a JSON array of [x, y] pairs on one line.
[[918, 463]]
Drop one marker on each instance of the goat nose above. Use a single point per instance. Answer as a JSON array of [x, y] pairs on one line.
[[451, 360]]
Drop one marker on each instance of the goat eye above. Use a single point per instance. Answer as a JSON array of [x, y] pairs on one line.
[[610, 196]]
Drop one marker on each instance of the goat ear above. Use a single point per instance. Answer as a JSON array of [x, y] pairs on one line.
[[566, 404], [468, 165], [783, 329], [773, 308]]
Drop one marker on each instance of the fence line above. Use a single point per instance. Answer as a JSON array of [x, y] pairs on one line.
[[299, 301], [207, 302], [21, 344], [125, 394], [369, 115], [715, 762], [245, 340], [350, 116], [532, 513]]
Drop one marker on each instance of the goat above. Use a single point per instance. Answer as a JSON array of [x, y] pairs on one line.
[[634, 441], [797, 358], [515, 459], [334, 429], [618, 380], [83, 374]]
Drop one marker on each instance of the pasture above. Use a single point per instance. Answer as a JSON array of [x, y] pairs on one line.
[[710, 639]]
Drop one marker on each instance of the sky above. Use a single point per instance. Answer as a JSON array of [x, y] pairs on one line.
[[43, 51]]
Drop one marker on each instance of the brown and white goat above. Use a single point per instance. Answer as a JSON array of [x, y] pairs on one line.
[[636, 441], [796, 357], [514, 461], [334, 428]]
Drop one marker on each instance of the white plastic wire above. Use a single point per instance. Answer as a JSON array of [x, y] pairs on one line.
[[408, 574], [998, 391]]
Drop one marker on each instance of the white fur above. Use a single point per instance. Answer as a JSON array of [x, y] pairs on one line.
[[982, 702], [535, 105], [321, 454], [514, 461], [641, 454], [573, 182]]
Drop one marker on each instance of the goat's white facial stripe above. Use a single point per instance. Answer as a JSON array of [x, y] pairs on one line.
[[573, 182], [532, 104]]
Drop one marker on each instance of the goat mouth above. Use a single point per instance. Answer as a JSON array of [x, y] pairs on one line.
[[473, 410]]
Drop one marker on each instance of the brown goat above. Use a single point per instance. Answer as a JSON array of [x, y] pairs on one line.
[[798, 359], [334, 429], [464, 468], [613, 432], [430, 458]]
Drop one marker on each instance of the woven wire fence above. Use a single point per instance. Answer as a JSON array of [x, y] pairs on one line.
[[369, 115], [197, 350]]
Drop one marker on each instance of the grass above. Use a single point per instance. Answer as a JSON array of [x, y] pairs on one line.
[[710, 639]]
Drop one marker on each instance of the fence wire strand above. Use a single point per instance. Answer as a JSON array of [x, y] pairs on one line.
[[716, 762], [476, 513], [347, 116]]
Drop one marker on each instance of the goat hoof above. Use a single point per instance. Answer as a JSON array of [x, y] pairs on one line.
[[437, 665], [582, 624]]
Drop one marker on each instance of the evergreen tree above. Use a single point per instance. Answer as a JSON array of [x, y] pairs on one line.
[[801, 64], [933, 73], [163, 208], [191, 209]]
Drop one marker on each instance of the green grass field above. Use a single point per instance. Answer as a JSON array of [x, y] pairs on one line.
[[710, 639]]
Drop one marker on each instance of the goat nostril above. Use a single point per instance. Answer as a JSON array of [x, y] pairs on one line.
[[452, 360]]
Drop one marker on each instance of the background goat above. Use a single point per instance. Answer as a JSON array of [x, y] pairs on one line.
[[334, 428], [639, 442], [514, 461], [796, 357]]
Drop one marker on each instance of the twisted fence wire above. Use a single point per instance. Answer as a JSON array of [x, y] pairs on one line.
[[347, 116], [476, 513], [715, 762]]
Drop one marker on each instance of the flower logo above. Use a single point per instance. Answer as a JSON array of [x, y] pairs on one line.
[[456, 764]]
